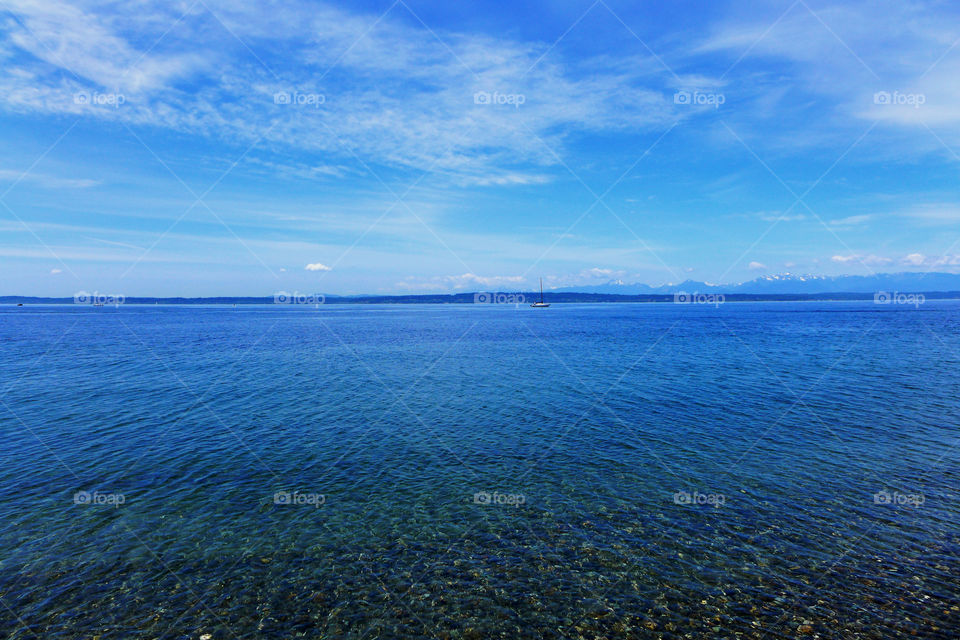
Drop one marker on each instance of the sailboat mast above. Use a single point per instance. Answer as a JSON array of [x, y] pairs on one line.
[[541, 304]]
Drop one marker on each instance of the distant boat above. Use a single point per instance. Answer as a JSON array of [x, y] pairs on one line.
[[541, 303]]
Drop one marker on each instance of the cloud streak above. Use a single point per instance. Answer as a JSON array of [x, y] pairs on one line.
[[384, 92]]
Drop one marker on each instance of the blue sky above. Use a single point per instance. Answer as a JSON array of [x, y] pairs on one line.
[[206, 148]]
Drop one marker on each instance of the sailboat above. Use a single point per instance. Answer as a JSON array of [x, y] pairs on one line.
[[541, 303]]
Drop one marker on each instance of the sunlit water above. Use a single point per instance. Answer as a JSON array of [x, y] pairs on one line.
[[757, 470]]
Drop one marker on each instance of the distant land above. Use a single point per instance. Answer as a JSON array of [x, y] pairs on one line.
[[784, 287], [792, 284]]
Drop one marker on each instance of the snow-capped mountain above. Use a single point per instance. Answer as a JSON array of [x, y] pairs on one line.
[[792, 283]]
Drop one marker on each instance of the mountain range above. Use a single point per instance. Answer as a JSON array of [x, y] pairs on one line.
[[788, 283], [773, 287]]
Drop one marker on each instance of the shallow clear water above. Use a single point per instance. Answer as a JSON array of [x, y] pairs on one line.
[[758, 470]]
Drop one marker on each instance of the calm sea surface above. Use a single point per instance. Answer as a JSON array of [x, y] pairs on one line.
[[752, 470]]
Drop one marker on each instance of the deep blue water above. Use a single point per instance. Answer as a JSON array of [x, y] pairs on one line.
[[753, 470]]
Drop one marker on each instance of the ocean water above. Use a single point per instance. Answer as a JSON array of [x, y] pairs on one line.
[[747, 470]]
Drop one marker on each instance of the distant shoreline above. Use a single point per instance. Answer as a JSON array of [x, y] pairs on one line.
[[485, 298]]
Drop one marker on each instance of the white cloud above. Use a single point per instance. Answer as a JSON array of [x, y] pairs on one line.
[[507, 179], [756, 266], [420, 286], [915, 259], [868, 260], [44, 180], [88, 45], [781, 217], [462, 281], [951, 260], [841, 53], [851, 220], [469, 279], [937, 213], [392, 93], [921, 260], [54, 272], [597, 271], [317, 266]]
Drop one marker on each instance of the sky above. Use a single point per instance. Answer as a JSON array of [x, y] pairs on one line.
[[206, 147]]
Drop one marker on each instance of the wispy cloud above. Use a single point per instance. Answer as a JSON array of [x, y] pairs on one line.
[[326, 80], [457, 282], [773, 216], [48, 181], [938, 214], [850, 220], [385, 146], [842, 53], [921, 260], [915, 259], [869, 260]]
